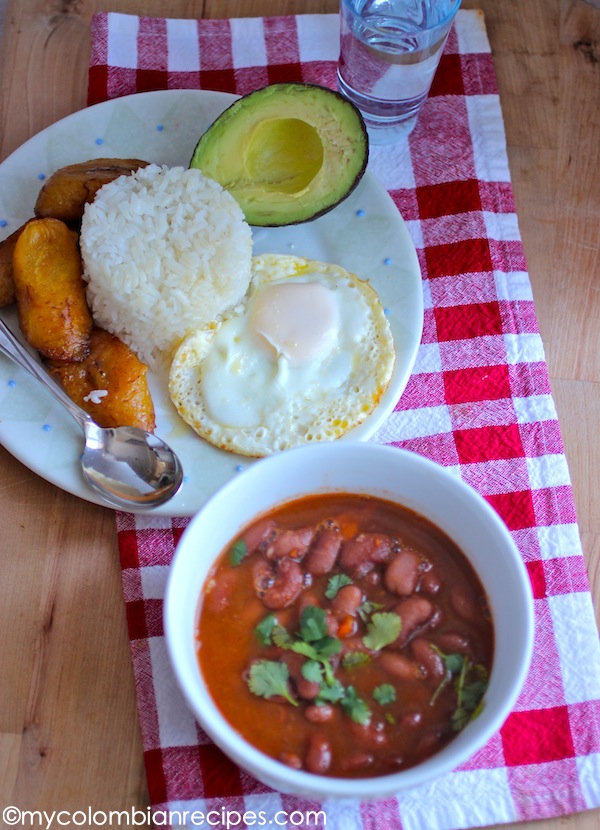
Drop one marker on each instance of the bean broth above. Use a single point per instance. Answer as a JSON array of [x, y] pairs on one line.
[[345, 635]]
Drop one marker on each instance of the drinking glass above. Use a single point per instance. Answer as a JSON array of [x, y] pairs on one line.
[[389, 52]]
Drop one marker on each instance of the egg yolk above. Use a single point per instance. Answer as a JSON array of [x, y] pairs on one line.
[[300, 321]]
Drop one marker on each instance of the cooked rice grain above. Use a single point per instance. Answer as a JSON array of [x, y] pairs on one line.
[[165, 251]]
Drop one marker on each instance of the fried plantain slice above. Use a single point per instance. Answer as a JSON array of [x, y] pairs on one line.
[[50, 292], [110, 384], [69, 189], [7, 283]]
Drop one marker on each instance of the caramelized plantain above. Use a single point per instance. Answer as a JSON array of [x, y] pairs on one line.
[[110, 384], [69, 189], [7, 284], [50, 292]]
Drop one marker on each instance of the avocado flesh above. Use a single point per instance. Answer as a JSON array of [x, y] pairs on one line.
[[287, 152]]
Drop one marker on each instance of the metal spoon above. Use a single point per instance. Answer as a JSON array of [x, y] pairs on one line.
[[129, 468]]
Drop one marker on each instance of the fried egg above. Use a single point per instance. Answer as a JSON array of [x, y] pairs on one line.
[[306, 358]]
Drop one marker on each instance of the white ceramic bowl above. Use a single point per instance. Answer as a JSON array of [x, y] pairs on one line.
[[395, 475]]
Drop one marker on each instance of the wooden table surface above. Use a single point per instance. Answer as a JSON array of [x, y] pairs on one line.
[[69, 734]]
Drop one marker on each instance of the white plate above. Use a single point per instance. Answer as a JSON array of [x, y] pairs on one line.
[[364, 234]]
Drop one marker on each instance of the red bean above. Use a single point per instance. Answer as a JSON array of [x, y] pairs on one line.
[[403, 573], [453, 642], [306, 689], [399, 666], [356, 761], [293, 543], [411, 720], [416, 613], [465, 603], [331, 624], [278, 584], [318, 754], [258, 534], [371, 735], [426, 657], [360, 554], [430, 582], [373, 578], [325, 550], [290, 759], [347, 601], [319, 714], [219, 591]]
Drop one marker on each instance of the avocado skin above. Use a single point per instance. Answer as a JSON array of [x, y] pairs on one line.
[[307, 129]]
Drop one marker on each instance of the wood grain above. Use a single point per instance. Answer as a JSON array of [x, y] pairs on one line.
[[69, 735]]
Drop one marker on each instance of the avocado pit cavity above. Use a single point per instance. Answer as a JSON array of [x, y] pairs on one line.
[[287, 153], [284, 155]]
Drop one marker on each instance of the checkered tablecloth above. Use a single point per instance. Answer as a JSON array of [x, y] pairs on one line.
[[478, 402]]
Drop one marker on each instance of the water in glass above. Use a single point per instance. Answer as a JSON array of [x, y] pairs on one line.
[[390, 50]]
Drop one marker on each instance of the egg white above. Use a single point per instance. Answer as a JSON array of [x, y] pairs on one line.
[[291, 366]]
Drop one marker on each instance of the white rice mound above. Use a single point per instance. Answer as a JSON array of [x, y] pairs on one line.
[[165, 252]]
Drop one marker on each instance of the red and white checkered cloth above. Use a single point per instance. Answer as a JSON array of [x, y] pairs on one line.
[[478, 401]]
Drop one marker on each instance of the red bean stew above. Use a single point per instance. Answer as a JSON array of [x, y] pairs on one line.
[[346, 636]]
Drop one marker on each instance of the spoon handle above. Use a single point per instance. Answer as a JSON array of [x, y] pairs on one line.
[[13, 348]]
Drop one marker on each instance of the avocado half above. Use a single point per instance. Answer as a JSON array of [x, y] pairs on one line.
[[287, 152]]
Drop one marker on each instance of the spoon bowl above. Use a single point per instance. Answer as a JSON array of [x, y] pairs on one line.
[[128, 466], [130, 469]]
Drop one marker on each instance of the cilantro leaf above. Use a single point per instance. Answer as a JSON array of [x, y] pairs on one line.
[[312, 670], [237, 552], [367, 608], [331, 694], [281, 637], [382, 630], [352, 659], [469, 695], [334, 584], [453, 662], [459, 719], [481, 672], [329, 646], [355, 707], [313, 624], [470, 684], [384, 694], [472, 694], [307, 649], [313, 641], [269, 678], [264, 629]]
